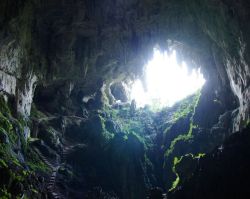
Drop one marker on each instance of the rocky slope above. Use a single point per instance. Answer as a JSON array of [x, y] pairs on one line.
[[222, 173]]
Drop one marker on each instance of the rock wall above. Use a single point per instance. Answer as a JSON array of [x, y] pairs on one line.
[[92, 41], [46, 42], [66, 54], [9, 66]]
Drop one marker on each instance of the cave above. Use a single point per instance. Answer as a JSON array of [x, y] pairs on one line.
[[79, 118]]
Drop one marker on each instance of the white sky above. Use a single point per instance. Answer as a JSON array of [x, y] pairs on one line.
[[167, 82]]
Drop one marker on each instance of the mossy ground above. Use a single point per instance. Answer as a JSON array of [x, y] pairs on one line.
[[18, 163], [124, 141], [144, 123]]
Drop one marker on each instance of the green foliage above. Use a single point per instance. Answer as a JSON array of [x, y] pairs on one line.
[[8, 124], [199, 155], [11, 131], [176, 162], [19, 176], [8, 157], [182, 110], [184, 137], [133, 126], [177, 180], [156, 106], [136, 124], [3, 164], [187, 106], [35, 163], [3, 106], [12, 168], [106, 135], [128, 122], [4, 194], [175, 183], [139, 138]]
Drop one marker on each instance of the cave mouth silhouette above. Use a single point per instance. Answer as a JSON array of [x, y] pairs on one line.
[[166, 81]]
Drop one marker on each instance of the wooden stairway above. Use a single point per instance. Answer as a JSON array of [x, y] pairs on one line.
[[52, 189]]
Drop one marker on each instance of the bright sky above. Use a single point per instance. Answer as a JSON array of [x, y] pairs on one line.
[[167, 82]]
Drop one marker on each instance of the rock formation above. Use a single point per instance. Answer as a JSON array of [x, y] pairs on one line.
[[63, 65]]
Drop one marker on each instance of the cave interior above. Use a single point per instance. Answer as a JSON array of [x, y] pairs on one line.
[[69, 127]]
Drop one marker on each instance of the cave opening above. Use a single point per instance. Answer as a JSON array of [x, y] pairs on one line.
[[165, 81], [124, 99]]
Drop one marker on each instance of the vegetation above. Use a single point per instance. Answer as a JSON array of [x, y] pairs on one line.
[[177, 161], [177, 180], [13, 170], [144, 120], [181, 116], [35, 163], [187, 107]]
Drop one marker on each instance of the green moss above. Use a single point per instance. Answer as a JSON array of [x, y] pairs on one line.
[[199, 155], [176, 162], [12, 133], [136, 123], [19, 177], [184, 111], [139, 138], [3, 106], [13, 128], [3, 163], [4, 194], [13, 169], [35, 163], [181, 110], [175, 183], [180, 138], [187, 107], [5, 124], [106, 135], [8, 123], [177, 180], [8, 156]]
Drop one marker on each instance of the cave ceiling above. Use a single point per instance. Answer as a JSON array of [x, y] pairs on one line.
[[92, 41]]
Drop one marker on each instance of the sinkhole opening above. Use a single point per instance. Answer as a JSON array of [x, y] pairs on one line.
[[165, 82]]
